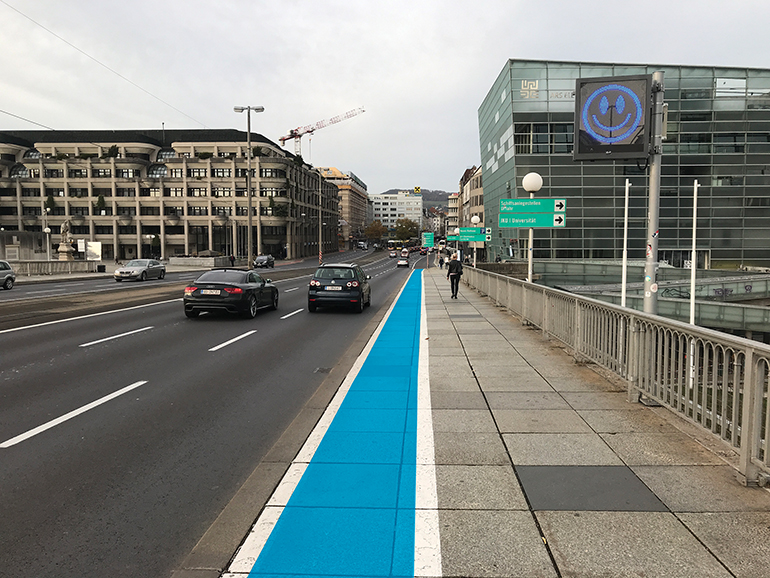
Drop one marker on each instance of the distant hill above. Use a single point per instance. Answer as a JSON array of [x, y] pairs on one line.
[[431, 198]]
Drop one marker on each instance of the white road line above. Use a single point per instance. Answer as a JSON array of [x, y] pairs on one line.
[[233, 340], [89, 315], [292, 289], [70, 415], [115, 336], [292, 313]]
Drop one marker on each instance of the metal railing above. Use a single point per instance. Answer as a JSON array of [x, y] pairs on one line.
[[53, 267], [714, 380]]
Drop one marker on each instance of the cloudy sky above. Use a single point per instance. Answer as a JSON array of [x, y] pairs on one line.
[[420, 68]]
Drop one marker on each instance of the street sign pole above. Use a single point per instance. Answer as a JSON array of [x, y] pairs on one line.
[[531, 241], [656, 161]]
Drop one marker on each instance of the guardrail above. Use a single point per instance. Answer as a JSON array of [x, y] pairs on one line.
[[54, 267], [714, 380]]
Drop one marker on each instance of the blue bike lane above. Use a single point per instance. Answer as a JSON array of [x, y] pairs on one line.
[[360, 498]]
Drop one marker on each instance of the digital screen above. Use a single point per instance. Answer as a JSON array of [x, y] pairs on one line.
[[612, 118]]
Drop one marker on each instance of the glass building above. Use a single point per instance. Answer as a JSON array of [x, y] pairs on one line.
[[718, 132]]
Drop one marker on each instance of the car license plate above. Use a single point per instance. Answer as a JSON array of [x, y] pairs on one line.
[[334, 288], [209, 291]]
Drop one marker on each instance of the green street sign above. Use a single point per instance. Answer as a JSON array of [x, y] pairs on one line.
[[472, 238], [452, 237], [472, 231], [427, 240], [531, 220], [533, 205]]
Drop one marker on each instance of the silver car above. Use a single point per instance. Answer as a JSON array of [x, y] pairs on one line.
[[7, 276], [141, 270]]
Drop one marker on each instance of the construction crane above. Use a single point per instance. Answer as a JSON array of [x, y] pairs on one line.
[[297, 133]]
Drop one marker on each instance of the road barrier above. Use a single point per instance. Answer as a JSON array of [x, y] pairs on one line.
[[711, 379]]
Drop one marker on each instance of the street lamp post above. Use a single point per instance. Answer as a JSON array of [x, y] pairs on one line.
[[475, 220], [250, 253], [47, 231], [320, 227], [532, 182]]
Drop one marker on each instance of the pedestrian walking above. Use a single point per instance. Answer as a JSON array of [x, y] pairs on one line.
[[441, 262], [232, 260], [453, 273]]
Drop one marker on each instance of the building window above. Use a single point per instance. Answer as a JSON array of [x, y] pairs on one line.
[[176, 173], [173, 192], [222, 192], [197, 192], [272, 173], [101, 173], [78, 192], [53, 173], [19, 171], [30, 192], [157, 171], [149, 192], [125, 192], [127, 211], [103, 229], [272, 192], [54, 192], [32, 154], [179, 211], [196, 173], [82, 211], [78, 173], [151, 211], [221, 173], [198, 211], [166, 154], [126, 173]]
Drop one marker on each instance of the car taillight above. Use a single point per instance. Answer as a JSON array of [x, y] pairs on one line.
[[189, 290], [352, 283], [315, 283], [233, 290]]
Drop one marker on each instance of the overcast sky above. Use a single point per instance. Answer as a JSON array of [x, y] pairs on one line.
[[420, 68]]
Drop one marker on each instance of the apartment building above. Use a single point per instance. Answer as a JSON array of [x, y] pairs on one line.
[[390, 207], [353, 199], [165, 192]]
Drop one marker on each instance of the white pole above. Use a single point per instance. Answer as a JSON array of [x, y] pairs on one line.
[[624, 274], [531, 241], [694, 257]]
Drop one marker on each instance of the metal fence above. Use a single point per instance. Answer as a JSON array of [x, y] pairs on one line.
[[714, 380], [54, 267]]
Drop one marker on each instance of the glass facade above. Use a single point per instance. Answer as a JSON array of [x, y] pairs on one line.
[[718, 133]]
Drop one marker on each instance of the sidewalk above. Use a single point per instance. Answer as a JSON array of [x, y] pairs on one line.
[[544, 468]]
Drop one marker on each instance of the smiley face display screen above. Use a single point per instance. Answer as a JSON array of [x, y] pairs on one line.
[[612, 118]]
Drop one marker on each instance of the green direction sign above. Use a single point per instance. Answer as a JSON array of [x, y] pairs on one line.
[[427, 239], [453, 237], [531, 221], [474, 234], [519, 206]]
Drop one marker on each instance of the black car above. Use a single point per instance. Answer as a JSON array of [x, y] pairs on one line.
[[230, 290], [264, 261], [337, 285]]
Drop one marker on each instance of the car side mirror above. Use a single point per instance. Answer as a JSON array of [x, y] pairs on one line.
[[266, 281], [368, 276]]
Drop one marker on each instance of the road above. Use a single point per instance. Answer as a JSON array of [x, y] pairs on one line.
[[187, 410]]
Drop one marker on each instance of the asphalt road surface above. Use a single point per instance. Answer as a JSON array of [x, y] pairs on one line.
[[125, 428]]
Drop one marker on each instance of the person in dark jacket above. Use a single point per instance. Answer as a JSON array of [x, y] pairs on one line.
[[454, 272]]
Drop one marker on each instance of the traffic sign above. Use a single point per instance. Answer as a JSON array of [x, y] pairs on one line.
[[427, 239], [453, 237], [531, 221], [533, 205], [472, 231]]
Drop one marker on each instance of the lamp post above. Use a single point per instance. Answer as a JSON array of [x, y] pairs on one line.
[[320, 227], [150, 238], [475, 220], [532, 182], [457, 247], [47, 231], [250, 253]]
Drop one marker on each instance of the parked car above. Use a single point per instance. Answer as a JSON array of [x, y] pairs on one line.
[[7, 275], [141, 270], [402, 262], [264, 261], [338, 285], [231, 291]]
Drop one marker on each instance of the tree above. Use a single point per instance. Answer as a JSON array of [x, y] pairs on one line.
[[50, 203], [406, 229], [376, 231]]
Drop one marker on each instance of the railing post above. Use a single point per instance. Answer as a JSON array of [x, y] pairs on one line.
[[577, 339], [752, 410], [545, 314], [632, 360]]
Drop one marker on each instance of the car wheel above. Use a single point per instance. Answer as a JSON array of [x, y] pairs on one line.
[[360, 305], [369, 299], [251, 311], [191, 314], [143, 276], [162, 275], [272, 265], [274, 304], [311, 307], [8, 285]]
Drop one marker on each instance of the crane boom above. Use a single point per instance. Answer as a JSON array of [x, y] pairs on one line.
[[297, 133]]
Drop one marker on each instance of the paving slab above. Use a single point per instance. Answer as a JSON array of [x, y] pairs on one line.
[[458, 400], [526, 400], [520, 380], [470, 449], [636, 419], [626, 545], [702, 489], [739, 539], [492, 543], [479, 488], [671, 449], [542, 421], [559, 449], [463, 420], [448, 383]]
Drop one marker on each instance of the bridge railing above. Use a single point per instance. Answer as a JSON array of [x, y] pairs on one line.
[[714, 380]]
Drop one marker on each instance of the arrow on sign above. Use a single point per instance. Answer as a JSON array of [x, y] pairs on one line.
[[558, 220], [559, 205]]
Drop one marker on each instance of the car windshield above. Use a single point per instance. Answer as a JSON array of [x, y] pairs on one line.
[[138, 263], [334, 273], [222, 277], [262, 258]]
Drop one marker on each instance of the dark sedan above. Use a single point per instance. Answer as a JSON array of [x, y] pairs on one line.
[[339, 284], [264, 261], [231, 291]]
